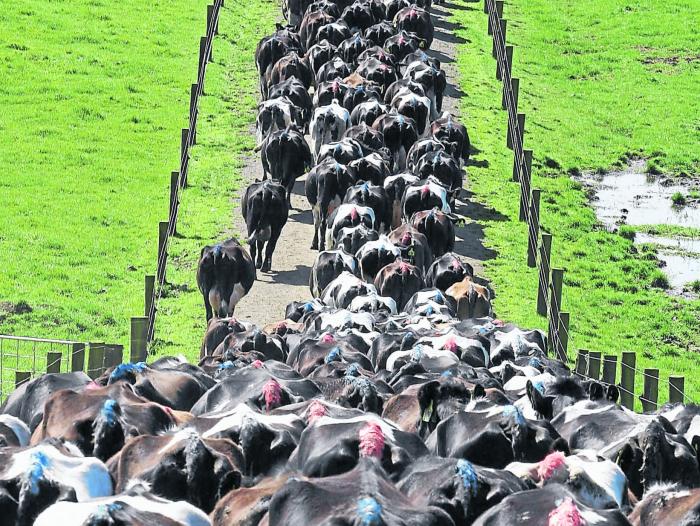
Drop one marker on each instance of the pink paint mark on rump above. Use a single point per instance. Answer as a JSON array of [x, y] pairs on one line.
[[272, 392], [566, 514], [257, 364], [316, 411], [327, 338], [92, 386], [353, 214], [451, 345], [404, 267], [551, 463], [456, 264], [406, 238], [371, 440], [425, 190]]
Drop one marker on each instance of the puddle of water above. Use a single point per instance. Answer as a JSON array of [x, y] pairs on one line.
[[681, 255], [636, 198]]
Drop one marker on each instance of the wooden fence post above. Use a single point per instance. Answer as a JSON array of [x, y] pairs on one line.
[[499, 9], [210, 17], [22, 377], [139, 334], [202, 59], [609, 368], [554, 306], [149, 284], [497, 43], [563, 336], [184, 154], [162, 256], [53, 362], [676, 389], [650, 394], [174, 179], [593, 365], [486, 6], [96, 359], [515, 88], [533, 228], [628, 364], [193, 111], [509, 68], [545, 255], [526, 178], [582, 362], [77, 357], [114, 355]]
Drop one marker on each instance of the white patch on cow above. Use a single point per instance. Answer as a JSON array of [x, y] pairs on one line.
[[583, 408], [591, 517], [672, 414], [518, 383], [19, 428], [334, 293], [374, 301], [430, 358], [234, 419], [88, 476], [179, 436], [319, 134], [387, 428], [344, 319], [693, 429], [75, 514]]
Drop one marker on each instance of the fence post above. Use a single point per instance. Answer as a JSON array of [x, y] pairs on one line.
[[499, 9], [520, 135], [553, 323], [149, 283], [53, 362], [497, 42], [582, 362], [210, 17], [174, 177], [526, 178], [486, 6], [628, 364], [96, 359], [650, 395], [676, 389], [184, 154], [509, 68], [593, 365], [563, 336], [114, 355], [202, 60], [533, 228], [139, 333], [545, 254], [609, 368], [193, 111], [77, 357], [162, 256], [22, 377]]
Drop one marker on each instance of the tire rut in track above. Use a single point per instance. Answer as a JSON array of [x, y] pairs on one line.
[[293, 257]]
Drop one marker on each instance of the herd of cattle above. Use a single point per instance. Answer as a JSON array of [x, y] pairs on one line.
[[393, 397]]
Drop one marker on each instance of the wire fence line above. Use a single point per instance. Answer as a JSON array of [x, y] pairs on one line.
[[539, 244]]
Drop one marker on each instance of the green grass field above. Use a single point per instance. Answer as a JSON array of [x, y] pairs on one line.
[[225, 137], [93, 98], [601, 81]]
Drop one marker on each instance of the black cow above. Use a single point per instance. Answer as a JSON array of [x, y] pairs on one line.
[[379, 32], [399, 280], [336, 67], [376, 198], [420, 148], [443, 167], [438, 228], [225, 273], [295, 91], [447, 270], [285, 157], [265, 210], [359, 15], [351, 239], [377, 71], [367, 112], [415, 20], [291, 65], [325, 187], [414, 246], [352, 47], [329, 265], [403, 43], [399, 134], [373, 168], [453, 135], [319, 54], [371, 140], [424, 195]]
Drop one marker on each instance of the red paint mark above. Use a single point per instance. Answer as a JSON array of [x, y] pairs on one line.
[[451, 345], [566, 514], [327, 338], [353, 214], [316, 411], [425, 190], [404, 267], [456, 264], [272, 392], [371, 440], [550, 464], [406, 238], [257, 364], [92, 386]]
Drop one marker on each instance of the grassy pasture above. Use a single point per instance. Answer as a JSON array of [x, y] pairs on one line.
[[93, 97], [601, 82]]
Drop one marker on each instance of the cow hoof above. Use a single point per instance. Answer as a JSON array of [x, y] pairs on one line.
[[314, 246], [267, 267]]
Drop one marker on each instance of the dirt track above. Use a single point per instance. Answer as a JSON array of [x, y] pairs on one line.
[[293, 258]]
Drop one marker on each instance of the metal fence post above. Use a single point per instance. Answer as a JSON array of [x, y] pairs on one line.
[[628, 364], [650, 395], [139, 334], [77, 357], [533, 228], [545, 255], [676, 389]]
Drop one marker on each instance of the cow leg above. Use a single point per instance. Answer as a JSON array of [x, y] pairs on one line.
[[317, 221], [253, 249], [259, 256], [322, 235], [207, 307], [269, 249]]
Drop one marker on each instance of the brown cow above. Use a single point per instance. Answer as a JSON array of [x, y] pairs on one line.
[[473, 300], [244, 506]]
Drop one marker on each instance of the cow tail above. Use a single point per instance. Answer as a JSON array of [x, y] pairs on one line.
[[473, 298], [199, 466]]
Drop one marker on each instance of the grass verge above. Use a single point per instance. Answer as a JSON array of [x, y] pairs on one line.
[[224, 138], [597, 83], [93, 99]]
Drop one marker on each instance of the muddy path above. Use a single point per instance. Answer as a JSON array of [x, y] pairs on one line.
[[293, 258]]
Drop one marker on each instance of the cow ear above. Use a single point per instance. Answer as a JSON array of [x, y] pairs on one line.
[[625, 457], [560, 444], [595, 391], [612, 393]]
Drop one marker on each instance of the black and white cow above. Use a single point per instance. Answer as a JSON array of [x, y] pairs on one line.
[[296, 92], [438, 228], [416, 20], [285, 157], [447, 270], [277, 114], [375, 255], [399, 135], [329, 265], [328, 124], [225, 273], [374, 197]]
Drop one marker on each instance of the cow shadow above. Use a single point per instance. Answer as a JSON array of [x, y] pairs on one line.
[[299, 276], [458, 7], [301, 216], [476, 211], [444, 59], [449, 38]]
